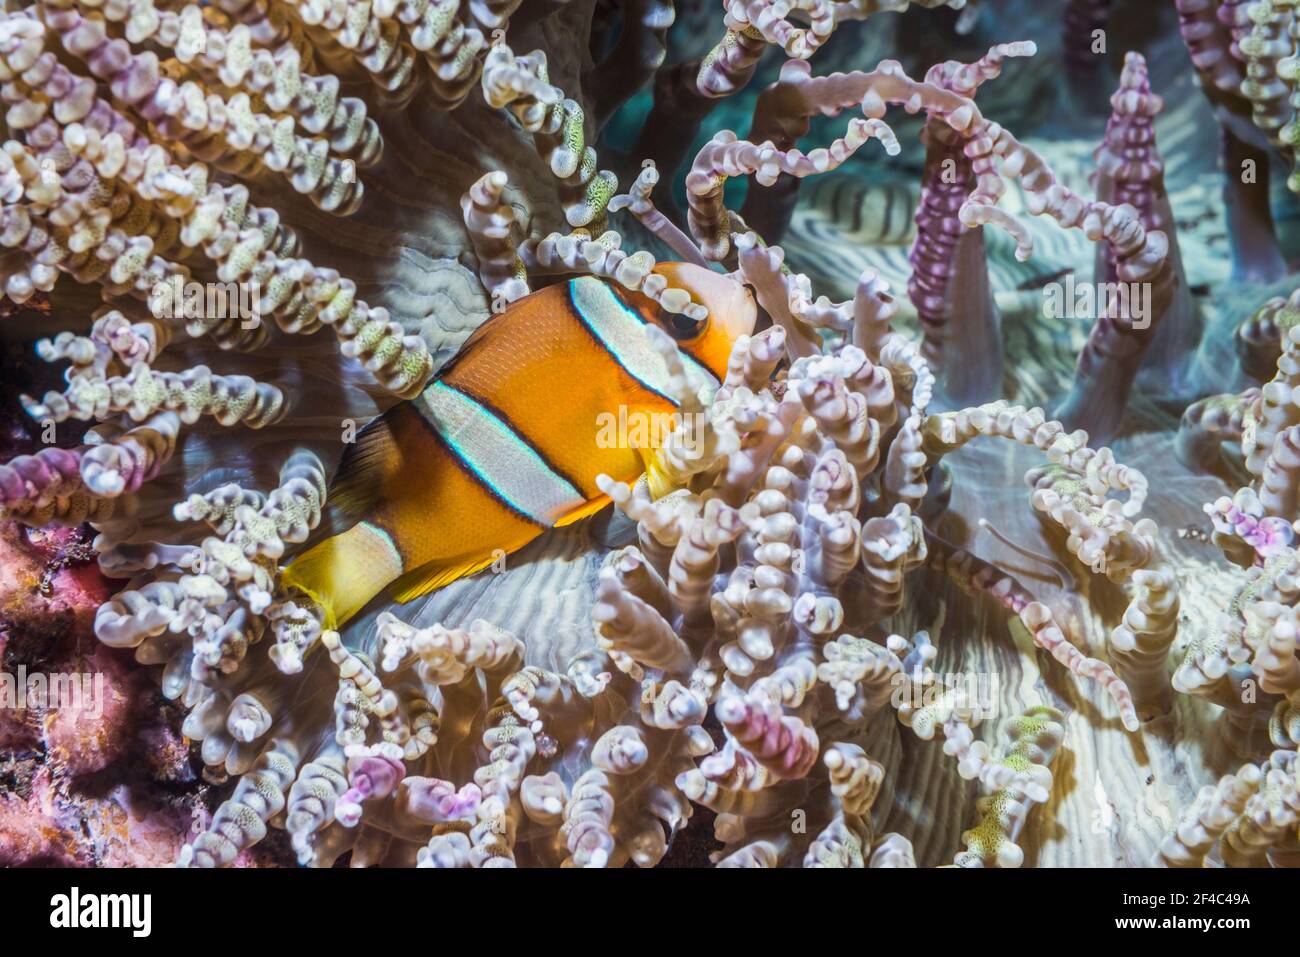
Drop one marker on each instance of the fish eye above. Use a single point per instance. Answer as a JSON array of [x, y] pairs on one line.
[[682, 326]]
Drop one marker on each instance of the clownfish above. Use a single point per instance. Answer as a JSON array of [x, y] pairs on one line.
[[505, 442]]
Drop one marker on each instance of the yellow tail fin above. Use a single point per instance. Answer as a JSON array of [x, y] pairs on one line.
[[344, 572]]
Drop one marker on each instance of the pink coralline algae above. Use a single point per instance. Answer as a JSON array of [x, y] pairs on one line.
[[67, 798]]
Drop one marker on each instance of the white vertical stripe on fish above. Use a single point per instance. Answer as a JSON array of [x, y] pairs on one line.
[[620, 330], [506, 464]]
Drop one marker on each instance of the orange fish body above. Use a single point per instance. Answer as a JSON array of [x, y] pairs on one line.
[[508, 439]]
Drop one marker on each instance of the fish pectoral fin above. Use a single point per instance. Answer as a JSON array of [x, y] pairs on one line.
[[586, 510], [657, 481]]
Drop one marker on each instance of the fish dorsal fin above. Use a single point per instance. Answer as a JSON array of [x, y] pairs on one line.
[[367, 463]]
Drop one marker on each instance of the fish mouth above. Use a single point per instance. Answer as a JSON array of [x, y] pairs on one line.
[[741, 319]]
